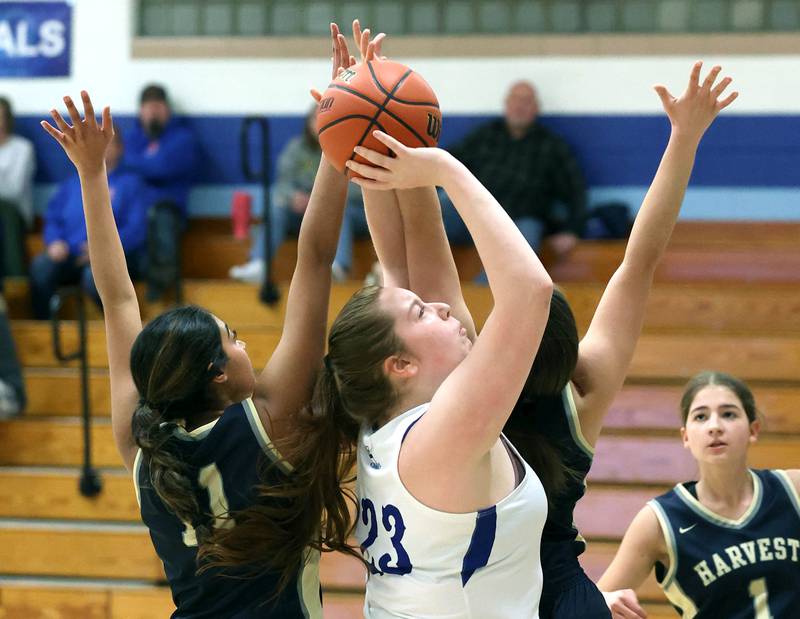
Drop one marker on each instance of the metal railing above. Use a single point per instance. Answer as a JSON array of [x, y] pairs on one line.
[[89, 484], [269, 293]]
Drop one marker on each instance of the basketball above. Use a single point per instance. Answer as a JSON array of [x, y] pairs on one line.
[[383, 95]]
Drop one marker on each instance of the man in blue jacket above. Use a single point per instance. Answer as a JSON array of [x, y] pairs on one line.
[[65, 260], [163, 150]]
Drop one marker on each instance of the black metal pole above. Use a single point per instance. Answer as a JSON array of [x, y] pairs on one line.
[[269, 292], [89, 484]]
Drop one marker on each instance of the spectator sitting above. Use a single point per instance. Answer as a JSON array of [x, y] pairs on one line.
[[297, 167], [65, 260], [12, 387], [17, 167], [529, 170], [163, 150]]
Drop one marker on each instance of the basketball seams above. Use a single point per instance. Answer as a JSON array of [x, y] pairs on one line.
[[392, 95], [386, 111], [342, 119], [382, 108]]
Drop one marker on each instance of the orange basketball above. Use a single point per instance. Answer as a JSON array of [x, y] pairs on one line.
[[382, 95]]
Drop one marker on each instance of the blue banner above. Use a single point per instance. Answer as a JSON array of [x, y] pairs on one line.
[[35, 39]]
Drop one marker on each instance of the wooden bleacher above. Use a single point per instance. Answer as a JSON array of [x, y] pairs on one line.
[[726, 297]]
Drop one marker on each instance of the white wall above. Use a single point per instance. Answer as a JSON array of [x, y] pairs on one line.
[[102, 64]]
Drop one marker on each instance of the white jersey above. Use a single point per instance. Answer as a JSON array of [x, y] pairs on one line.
[[424, 563]]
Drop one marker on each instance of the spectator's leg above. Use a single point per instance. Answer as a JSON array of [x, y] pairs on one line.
[[164, 231], [454, 226], [12, 240], [12, 386], [46, 277], [88, 285], [532, 229], [343, 261]]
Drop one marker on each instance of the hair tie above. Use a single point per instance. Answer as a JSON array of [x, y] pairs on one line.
[[328, 365]]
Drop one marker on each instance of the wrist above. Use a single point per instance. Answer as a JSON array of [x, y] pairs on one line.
[[90, 173], [684, 137]]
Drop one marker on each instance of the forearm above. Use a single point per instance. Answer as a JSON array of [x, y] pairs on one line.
[[386, 228], [432, 271], [105, 249], [661, 206], [507, 258], [319, 233]]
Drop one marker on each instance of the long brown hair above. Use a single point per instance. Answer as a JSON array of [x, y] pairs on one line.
[[173, 361], [309, 506], [550, 374]]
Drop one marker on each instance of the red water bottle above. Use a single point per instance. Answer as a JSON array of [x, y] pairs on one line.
[[241, 207]]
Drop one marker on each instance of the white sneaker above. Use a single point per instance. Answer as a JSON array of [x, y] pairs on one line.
[[9, 405], [338, 273], [375, 275], [251, 272]]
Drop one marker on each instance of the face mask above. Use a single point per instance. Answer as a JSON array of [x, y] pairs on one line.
[[154, 129]]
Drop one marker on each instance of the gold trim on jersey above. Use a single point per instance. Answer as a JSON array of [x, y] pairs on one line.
[[308, 585], [669, 542], [266, 442], [714, 518], [675, 594], [137, 463], [575, 421], [788, 484]]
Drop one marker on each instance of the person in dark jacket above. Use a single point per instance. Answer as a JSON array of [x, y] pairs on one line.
[[164, 151], [65, 260]]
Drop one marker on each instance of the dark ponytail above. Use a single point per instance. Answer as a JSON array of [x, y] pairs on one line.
[[309, 506], [550, 374], [173, 362]]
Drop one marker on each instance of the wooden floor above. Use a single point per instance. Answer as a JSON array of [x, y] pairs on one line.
[[726, 297]]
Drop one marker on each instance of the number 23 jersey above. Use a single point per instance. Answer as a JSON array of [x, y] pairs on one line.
[[425, 563], [738, 569]]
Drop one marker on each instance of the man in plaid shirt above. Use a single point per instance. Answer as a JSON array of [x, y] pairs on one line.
[[529, 170]]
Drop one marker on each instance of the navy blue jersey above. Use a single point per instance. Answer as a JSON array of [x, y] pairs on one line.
[[555, 419], [743, 569], [224, 458]]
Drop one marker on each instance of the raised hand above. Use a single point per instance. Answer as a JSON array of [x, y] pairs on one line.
[[370, 50], [693, 112], [340, 58], [84, 141], [410, 167]]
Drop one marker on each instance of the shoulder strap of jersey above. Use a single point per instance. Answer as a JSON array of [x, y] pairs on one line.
[[789, 486], [571, 411], [672, 589], [137, 465], [262, 437]]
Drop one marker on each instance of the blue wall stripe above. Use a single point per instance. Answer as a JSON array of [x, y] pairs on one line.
[[738, 151], [708, 203], [480, 546]]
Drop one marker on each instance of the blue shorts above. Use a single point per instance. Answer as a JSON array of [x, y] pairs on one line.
[[576, 598]]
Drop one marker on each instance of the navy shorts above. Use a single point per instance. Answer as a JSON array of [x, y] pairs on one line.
[[577, 598]]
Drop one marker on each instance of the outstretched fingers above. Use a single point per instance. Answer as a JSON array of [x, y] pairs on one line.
[[74, 114], [720, 88], [721, 105], [108, 124], [374, 157], [694, 76], [711, 77], [396, 147], [54, 133], [666, 98], [368, 171], [60, 122], [88, 110]]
